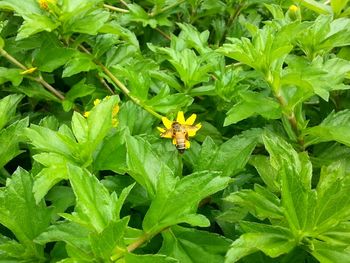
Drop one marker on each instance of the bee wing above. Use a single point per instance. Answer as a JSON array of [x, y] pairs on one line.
[[192, 129], [167, 133]]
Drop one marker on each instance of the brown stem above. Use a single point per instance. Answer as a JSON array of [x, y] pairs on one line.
[[121, 10], [37, 79], [121, 86], [138, 243], [163, 34]]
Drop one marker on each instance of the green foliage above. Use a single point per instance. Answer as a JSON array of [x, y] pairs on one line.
[[85, 176]]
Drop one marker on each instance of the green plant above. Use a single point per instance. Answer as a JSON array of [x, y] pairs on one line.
[[85, 175]]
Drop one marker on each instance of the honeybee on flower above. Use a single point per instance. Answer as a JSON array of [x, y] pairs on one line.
[[180, 130]]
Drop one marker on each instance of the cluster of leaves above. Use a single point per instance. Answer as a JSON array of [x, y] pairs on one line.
[[267, 178]]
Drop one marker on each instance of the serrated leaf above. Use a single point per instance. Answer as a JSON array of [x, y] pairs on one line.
[[35, 23], [177, 199], [132, 258], [110, 241], [20, 213], [232, 155], [191, 245], [11, 74], [272, 240], [94, 205], [144, 165], [334, 127], [79, 63], [55, 170]]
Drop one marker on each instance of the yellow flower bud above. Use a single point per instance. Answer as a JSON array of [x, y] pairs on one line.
[[293, 8]]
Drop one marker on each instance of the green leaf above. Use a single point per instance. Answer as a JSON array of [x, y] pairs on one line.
[[231, 157], [80, 62], [267, 173], [272, 240], [135, 119], [144, 165], [328, 254], [260, 202], [100, 120], [95, 205], [333, 128], [51, 54], [11, 74], [110, 240], [112, 156], [55, 171], [132, 258], [316, 6], [338, 5], [9, 141], [71, 233], [332, 202], [80, 127], [48, 140], [164, 102], [20, 213], [177, 199], [191, 245], [35, 23], [253, 103], [296, 172]]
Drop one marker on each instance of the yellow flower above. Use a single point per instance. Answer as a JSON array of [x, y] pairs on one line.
[[44, 4], [293, 8], [28, 71], [180, 130], [96, 102], [86, 114]]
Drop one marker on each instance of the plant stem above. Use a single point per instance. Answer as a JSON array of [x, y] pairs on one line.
[[163, 34], [138, 242], [167, 8], [122, 87], [37, 79], [121, 10]]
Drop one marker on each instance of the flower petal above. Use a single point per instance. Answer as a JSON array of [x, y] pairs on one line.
[[160, 129], [167, 123], [191, 119], [191, 130], [187, 144], [180, 117], [174, 141]]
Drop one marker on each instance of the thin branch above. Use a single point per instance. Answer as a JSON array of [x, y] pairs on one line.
[[163, 34], [105, 84], [122, 87], [37, 79], [121, 10], [166, 8]]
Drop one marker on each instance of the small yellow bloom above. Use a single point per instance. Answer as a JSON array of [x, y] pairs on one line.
[[86, 114], [28, 71], [115, 110], [293, 8], [180, 130], [96, 102], [44, 4]]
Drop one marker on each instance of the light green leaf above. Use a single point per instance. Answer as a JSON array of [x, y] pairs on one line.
[[35, 23], [327, 253], [55, 171], [190, 245], [132, 258], [295, 171], [177, 198], [333, 128], [95, 205], [20, 213], [253, 103], [11, 74], [316, 6], [272, 240], [110, 240], [144, 165], [80, 62], [232, 156]]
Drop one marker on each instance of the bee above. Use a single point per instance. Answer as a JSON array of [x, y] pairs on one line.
[[179, 133], [180, 130]]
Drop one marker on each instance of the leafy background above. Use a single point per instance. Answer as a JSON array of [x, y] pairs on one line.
[[266, 178]]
